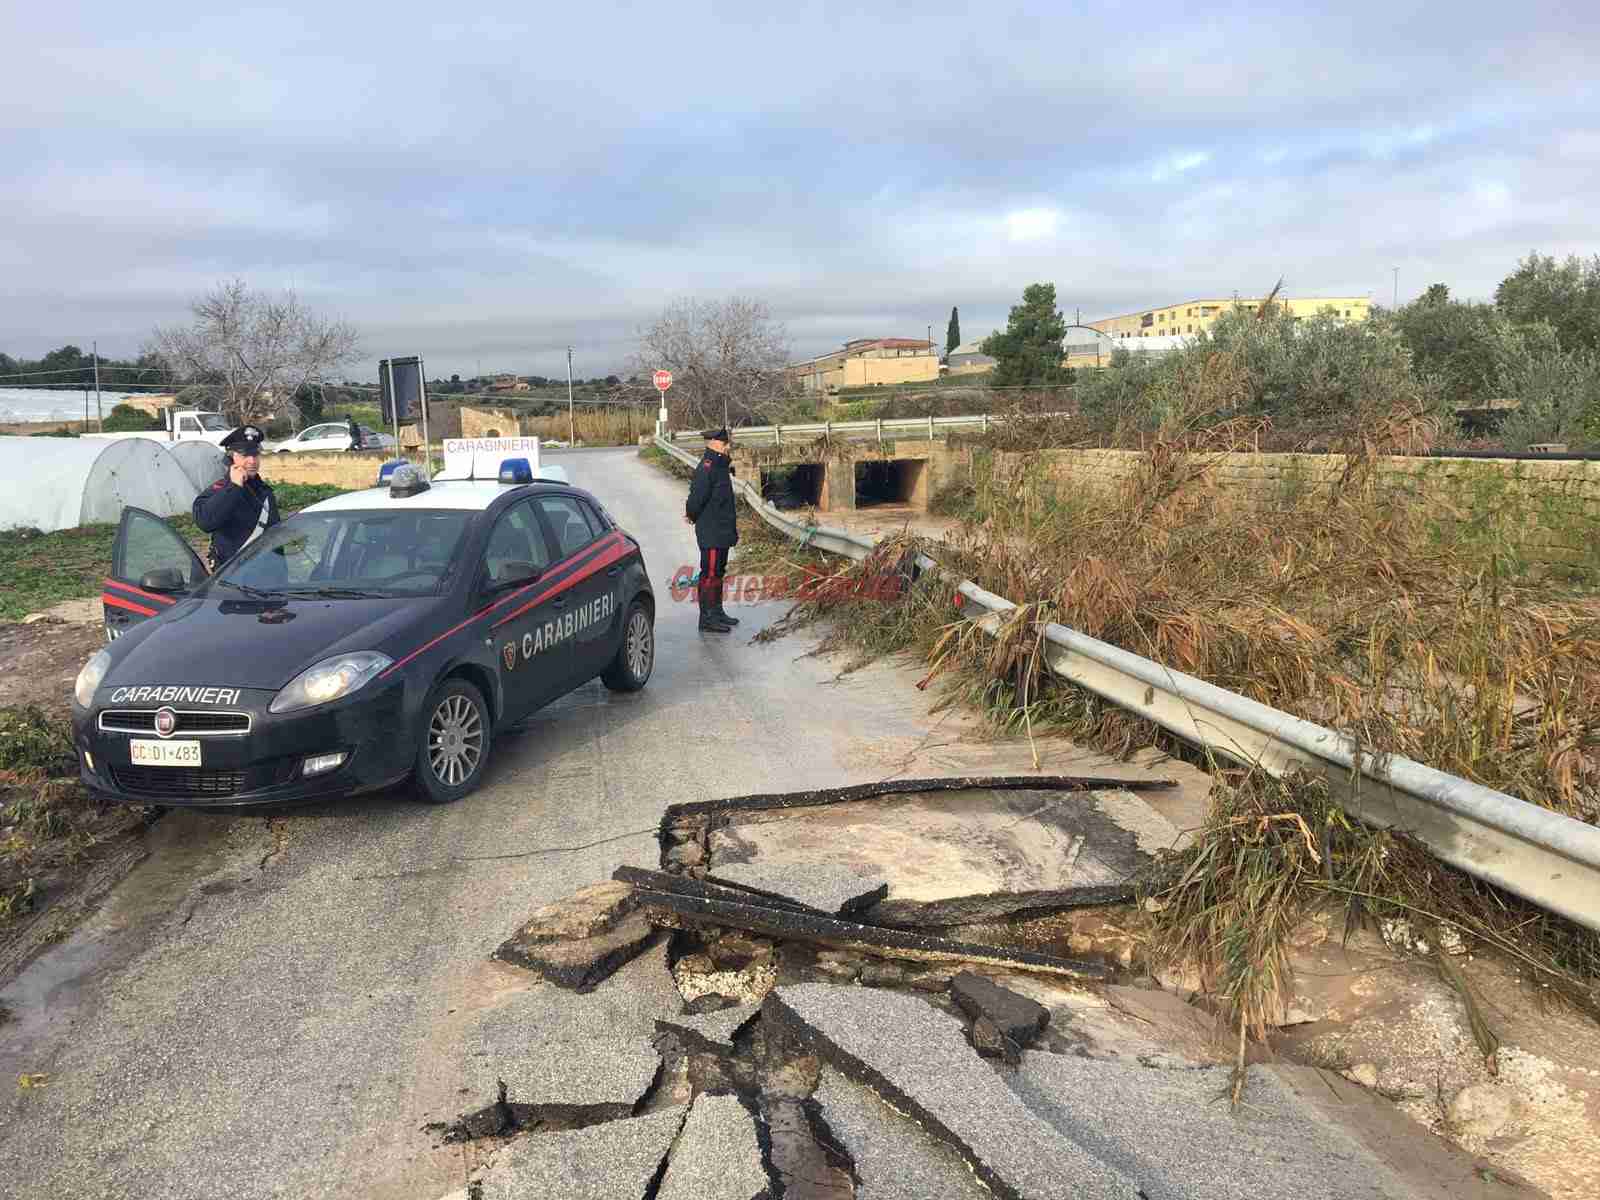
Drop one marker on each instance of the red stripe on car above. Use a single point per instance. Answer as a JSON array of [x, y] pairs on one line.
[[609, 540], [605, 560], [117, 583], [119, 602]]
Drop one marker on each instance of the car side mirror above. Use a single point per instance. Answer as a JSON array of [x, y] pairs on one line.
[[514, 574], [163, 579]]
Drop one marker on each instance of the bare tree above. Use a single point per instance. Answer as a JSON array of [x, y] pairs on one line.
[[727, 360], [258, 350]]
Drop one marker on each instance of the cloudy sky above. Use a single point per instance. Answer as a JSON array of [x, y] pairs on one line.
[[484, 186]]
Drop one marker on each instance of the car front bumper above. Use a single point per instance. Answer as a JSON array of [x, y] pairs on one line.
[[264, 765]]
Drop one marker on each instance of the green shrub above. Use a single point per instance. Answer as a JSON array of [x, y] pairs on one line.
[[1311, 380], [125, 418], [1559, 395], [33, 744]]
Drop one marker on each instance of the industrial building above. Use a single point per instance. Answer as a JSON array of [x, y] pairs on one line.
[[969, 359], [1192, 316], [868, 362]]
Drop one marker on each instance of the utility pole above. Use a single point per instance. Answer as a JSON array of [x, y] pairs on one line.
[[1396, 305], [572, 425], [99, 412]]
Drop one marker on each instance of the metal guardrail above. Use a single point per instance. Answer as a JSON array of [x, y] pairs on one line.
[[929, 427], [1542, 856]]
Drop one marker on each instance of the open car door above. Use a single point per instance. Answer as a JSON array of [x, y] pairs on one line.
[[152, 568]]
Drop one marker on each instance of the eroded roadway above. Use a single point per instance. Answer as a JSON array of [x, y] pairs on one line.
[[275, 1006]]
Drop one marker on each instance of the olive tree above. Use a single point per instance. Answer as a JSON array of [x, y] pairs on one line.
[[256, 349]]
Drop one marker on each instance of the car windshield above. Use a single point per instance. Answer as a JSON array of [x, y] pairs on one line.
[[350, 555], [214, 422]]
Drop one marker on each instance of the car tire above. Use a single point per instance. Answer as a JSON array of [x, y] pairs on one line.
[[636, 656], [453, 748]]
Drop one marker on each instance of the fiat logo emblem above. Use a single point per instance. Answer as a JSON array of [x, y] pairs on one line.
[[166, 722]]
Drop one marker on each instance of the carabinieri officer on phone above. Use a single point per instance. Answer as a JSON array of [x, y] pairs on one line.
[[236, 508]]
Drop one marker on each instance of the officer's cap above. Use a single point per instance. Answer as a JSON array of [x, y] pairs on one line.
[[246, 440], [715, 435]]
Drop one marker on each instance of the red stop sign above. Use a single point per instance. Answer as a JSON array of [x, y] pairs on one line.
[[663, 380]]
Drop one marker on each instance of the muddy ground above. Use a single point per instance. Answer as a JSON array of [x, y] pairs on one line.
[[39, 661], [59, 851]]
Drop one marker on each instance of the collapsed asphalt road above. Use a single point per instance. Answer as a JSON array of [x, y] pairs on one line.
[[277, 1006]]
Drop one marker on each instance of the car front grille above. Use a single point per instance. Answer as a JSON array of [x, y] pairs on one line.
[[178, 781], [190, 724], [201, 782]]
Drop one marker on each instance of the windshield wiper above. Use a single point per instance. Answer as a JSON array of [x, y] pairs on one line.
[[334, 593], [258, 593]]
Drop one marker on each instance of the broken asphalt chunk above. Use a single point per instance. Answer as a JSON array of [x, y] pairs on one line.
[[710, 1030], [684, 885], [1014, 1017], [989, 1042], [582, 963], [589, 911], [717, 1155], [767, 801], [893, 1156], [993, 906], [831, 890], [673, 909], [596, 1079], [915, 1058], [620, 1159], [1176, 1135]]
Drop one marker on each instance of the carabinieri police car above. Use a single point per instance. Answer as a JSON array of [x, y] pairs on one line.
[[379, 635]]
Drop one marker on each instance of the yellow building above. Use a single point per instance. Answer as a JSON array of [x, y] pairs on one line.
[[1179, 320], [868, 362]]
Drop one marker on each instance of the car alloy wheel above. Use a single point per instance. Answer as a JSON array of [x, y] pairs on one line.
[[641, 644], [455, 740], [629, 669]]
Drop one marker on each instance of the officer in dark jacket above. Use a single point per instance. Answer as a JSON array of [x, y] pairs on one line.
[[237, 507], [716, 527]]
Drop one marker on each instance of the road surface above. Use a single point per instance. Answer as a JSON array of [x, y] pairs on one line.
[[275, 1006]]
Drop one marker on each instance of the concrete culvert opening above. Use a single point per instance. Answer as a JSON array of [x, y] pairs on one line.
[[891, 482], [793, 485]]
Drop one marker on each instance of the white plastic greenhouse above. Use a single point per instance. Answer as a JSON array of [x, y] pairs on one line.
[[202, 462], [61, 483]]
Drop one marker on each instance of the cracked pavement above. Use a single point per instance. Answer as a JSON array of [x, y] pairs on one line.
[[276, 1006]]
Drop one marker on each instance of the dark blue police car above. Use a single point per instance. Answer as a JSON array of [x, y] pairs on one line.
[[376, 636]]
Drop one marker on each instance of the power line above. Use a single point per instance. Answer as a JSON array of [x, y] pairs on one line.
[[70, 371], [69, 386]]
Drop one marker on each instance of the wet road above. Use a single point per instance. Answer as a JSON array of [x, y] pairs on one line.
[[275, 1006]]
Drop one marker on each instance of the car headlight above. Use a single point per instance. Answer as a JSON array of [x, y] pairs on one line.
[[89, 678], [329, 680]]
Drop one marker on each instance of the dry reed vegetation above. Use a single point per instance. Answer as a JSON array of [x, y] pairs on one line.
[[1349, 609], [617, 426]]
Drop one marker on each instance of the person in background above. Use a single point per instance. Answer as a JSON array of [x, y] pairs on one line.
[[711, 510], [355, 434], [236, 508]]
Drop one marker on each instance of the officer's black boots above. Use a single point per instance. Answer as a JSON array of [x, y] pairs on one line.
[[717, 585], [711, 607]]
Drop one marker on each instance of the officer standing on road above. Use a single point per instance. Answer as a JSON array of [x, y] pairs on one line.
[[355, 433], [711, 509], [236, 508]]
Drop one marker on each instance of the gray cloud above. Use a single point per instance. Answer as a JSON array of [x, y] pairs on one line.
[[499, 185]]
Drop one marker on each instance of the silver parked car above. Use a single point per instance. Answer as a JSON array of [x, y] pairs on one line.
[[331, 435]]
